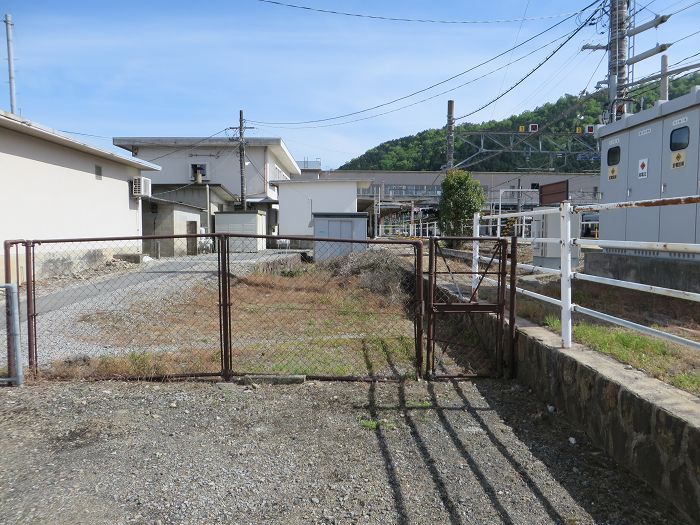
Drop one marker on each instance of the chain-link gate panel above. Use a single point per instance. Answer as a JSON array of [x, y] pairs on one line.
[[324, 308], [124, 308]]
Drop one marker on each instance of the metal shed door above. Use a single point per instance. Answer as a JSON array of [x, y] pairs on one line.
[[613, 185], [679, 177], [644, 180]]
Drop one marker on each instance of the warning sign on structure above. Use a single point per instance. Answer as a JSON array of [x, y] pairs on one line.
[[643, 171], [678, 159], [612, 172]]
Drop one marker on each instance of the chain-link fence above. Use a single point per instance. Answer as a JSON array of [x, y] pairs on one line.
[[222, 305]]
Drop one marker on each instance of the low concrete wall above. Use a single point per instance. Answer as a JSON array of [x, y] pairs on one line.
[[669, 273], [649, 427]]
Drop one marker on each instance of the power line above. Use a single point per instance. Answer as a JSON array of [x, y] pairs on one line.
[[532, 71], [191, 146], [419, 20], [427, 98], [404, 97], [685, 37]]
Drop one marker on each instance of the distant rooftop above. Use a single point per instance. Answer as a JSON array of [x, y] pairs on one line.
[[306, 164], [276, 144]]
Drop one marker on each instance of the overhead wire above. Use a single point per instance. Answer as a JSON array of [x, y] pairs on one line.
[[419, 20], [532, 71], [191, 146], [436, 95], [428, 88]]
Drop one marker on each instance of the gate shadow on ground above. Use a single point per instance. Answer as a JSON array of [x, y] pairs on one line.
[[429, 460], [584, 472]]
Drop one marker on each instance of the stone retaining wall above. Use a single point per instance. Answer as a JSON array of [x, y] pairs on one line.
[[651, 428]]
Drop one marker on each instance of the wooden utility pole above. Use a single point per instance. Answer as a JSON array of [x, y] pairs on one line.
[[241, 153], [450, 134]]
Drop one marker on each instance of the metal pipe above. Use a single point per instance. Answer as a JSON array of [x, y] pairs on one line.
[[529, 293], [637, 327], [31, 313], [658, 290], [420, 309], [565, 281], [475, 254], [15, 372], [511, 310], [529, 213], [639, 245], [672, 201]]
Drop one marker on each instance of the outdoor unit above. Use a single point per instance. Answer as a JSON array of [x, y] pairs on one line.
[[141, 187]]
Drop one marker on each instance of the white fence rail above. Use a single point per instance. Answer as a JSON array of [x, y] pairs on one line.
[[411, 229], [566, 242]]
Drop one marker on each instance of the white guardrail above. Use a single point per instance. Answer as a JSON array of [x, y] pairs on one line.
[[566, 244]]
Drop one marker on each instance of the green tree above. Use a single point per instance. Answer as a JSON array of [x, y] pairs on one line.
[[462, 196]]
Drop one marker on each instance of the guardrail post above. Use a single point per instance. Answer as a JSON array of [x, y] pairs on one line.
[[13, 334], [565, 243], [475, 253]]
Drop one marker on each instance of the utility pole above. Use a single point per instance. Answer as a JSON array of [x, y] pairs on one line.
[[663, 89], [617, 56], [241, 153], [450, 134], [11, 62]]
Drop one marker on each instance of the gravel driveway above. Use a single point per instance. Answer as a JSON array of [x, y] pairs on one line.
[[472, 452]]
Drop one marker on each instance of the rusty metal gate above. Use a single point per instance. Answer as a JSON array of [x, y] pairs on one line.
[[465, 308], [220, 305]]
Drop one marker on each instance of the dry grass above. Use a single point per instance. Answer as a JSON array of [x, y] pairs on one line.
[[305, 320]]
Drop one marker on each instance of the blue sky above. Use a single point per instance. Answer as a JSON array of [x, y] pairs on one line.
[[185, 69]]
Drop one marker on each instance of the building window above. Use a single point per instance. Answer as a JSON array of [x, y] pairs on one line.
[[535, 186], [680, 138], [98, 172], [614, 156], [198, 168]]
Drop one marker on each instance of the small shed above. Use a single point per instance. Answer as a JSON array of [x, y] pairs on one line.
[[339, 226], [164, 217], [243, 222]]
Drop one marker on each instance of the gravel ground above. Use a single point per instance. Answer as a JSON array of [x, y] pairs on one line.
[[471, 452]]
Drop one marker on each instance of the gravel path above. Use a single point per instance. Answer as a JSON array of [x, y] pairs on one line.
[[192, 453]]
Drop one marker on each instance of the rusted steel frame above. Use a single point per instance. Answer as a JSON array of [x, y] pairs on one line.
[[219, 272], [129, 238], [419, 308], [31, 310], [503, 243], [650, 203], [7, 260], [225, 309], [460, 308], [430, 343], [511, 361]]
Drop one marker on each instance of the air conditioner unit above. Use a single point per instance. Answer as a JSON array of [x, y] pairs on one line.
[[141, 187], [533, 128]]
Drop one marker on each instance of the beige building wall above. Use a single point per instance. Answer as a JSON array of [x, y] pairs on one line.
[[51, 191]]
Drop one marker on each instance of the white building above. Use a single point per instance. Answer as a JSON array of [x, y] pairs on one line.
[[217, 161], [56, 187], [300, 199]]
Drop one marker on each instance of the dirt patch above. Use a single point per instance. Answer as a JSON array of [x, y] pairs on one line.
[[319, 453]]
